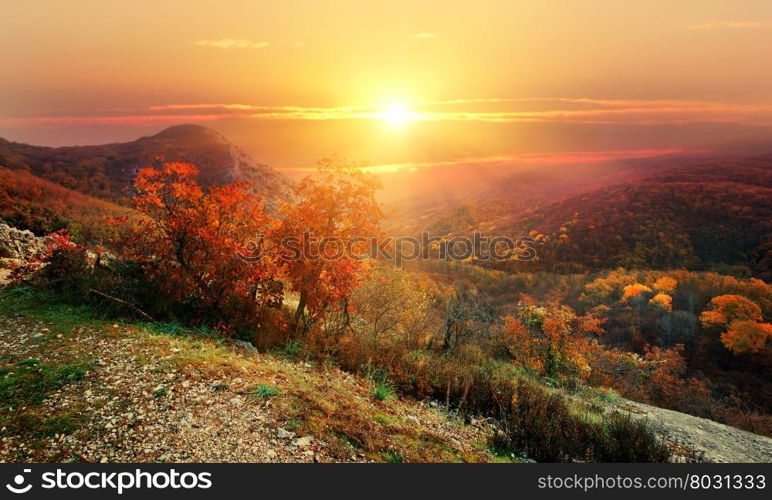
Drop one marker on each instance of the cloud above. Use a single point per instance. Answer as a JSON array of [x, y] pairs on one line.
[[484, 110], [729, 25], [571, 157], [232, 43], [424, 36]]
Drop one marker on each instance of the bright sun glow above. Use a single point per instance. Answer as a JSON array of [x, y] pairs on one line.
[[397, 115]]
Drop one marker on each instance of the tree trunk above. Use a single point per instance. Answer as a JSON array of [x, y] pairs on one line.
[[301, 308]]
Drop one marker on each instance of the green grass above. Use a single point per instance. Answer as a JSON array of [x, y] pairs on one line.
[[393, 457], [383, 391], [30, 381], [292, 350], [262, 391], [62, 317], [44, 427], [177, 329]]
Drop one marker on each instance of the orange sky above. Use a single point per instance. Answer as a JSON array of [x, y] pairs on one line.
[[292, 82]]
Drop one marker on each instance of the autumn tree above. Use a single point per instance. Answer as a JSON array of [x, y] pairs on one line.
[[190, 238], [466, 314], [742, 319], [553, 339], [725, 309], [745, 336], [665, 284], [662, 301], [326, 234], [391, 305]]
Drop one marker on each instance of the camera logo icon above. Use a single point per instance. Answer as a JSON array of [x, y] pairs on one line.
[[18, 483]]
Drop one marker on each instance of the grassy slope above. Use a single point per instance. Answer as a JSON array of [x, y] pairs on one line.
[[76, 388]]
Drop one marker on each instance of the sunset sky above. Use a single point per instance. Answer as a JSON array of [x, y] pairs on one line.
[[390, 83]]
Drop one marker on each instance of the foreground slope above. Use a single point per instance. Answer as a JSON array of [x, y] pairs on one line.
[[77, 389], [73, 388], [718, 442]]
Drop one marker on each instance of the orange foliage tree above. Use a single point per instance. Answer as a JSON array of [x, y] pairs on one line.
[[189, 241], [743, 320], [663, 301], [552, 339], [725, 309], [324, 235], [746, 336]]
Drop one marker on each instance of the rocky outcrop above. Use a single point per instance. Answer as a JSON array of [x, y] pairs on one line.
[[19, 244]]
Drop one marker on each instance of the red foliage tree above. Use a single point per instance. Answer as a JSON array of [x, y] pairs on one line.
[[190, 240]]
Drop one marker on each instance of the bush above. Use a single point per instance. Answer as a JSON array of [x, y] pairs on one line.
[[543, 426]]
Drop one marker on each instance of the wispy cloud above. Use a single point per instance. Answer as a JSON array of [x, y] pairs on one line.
[[232, 43], [729, 25], [571, 157], [424, 36], [490, 110]]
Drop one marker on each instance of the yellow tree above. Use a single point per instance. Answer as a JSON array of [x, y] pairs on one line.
[[725, 309]]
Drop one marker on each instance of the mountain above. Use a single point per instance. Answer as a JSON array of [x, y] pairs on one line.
[[700, 211], [714, 215], [107, 171], [452, 199]]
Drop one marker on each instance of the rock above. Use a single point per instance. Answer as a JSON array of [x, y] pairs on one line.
[[271, 455], [246, 345], [283, 433], [19, 244], [303, 442]]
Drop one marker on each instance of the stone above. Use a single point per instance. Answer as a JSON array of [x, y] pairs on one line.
[[246, 345], [283, 433], [303, 442]]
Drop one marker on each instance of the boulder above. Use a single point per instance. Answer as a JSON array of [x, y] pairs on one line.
[[19, 244]]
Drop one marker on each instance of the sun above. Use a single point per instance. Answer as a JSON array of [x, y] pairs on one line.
[[397, 115]]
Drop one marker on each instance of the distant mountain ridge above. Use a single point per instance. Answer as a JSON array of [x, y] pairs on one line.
[[107, 171], [714, 215]]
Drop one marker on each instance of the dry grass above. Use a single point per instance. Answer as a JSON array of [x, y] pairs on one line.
[[310, 399]]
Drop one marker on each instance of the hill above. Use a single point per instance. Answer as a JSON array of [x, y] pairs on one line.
[[713, 215], [454, 198], [29, 202], [692, 212], [107, 171], [87, 390]]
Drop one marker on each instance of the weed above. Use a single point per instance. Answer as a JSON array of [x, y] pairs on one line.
[[383, 391], [393, 457], [263, 391], [219, 386]]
